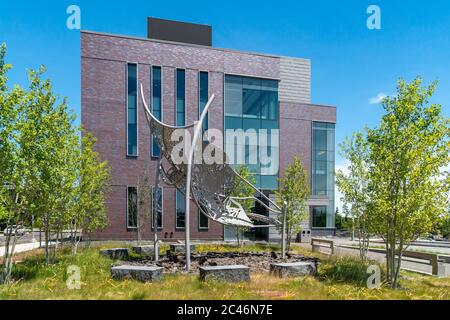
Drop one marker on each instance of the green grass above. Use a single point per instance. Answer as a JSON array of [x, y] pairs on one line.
[[337, 279]]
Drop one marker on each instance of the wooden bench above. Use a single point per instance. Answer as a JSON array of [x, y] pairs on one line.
[[317, 244], [439, 263]]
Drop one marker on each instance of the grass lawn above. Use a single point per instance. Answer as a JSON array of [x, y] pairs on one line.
[[337, 279]]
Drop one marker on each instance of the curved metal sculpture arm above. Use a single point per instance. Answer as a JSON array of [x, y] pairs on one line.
[[257, 190], [259, 201], [148, 113]]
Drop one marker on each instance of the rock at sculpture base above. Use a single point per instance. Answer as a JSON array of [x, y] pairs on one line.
[[293, 269], [115, 254], [233, 273], [179, 247], [144, 250], [139, 273]]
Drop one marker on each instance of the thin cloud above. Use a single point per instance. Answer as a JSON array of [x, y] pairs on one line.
[[378, 99]]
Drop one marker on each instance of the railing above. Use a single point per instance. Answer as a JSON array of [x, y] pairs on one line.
[[317, 244]]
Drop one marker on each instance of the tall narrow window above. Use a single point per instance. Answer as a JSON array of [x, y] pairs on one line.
[[203, 221], [203, 96], [157, 204], [181, 210], [131, 207], [323, 164], [180, 98], [156, 103], [132, 134]]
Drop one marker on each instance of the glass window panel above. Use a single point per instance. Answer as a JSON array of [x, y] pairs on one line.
[[233, 122], [251, 103], [319, 155], [269, 105], [320, 139], [203, 220], [203, 96], [132, 109], [233, 96], [180, 119], [249, 124], [180, 97], [156, 104], [319, 217], [269, 182], [180, 209], [131, 207]]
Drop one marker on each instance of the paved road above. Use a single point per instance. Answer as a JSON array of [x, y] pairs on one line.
[[414, 264], [381, 258], [22, 247]]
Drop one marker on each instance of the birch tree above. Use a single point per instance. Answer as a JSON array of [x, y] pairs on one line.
[[294, 190], [354, 187], [409, 151], [89, 213]]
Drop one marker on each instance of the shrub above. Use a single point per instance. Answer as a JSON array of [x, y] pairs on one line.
[[345, 269]]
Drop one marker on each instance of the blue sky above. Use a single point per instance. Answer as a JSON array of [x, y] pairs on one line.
[[350, 63]]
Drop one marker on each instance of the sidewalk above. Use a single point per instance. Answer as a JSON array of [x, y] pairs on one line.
[[23, 247]]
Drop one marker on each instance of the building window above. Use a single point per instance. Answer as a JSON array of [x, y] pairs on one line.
[[203, 98], [323, 160], [157, 206], [132, 117], [180, 205], [180, 80], [131, 207], [251, 104], [319, 217], [156, 104], [203, 221]]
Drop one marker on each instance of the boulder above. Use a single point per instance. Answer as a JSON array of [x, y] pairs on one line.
[[179, 247], [139, 273], [233, 273], [146, 250], [293, 269], [115, 254]]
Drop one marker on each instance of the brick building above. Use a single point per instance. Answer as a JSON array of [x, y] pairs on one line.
[[179, 69]]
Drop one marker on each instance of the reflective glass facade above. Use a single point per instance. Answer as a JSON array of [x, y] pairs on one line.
[[323, 177], [251, 104], [132, 134]]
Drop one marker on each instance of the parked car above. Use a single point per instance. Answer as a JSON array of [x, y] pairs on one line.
[[10, 230]]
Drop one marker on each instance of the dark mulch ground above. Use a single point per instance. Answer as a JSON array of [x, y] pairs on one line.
[[259, 262]]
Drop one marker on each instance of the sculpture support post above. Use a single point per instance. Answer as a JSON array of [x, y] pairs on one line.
[[197, 131], [283, 232], [155, 212]]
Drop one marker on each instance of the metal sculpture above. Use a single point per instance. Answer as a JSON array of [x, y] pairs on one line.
[[209, 184]]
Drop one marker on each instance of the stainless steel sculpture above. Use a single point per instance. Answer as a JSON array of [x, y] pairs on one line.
[[209, 184]]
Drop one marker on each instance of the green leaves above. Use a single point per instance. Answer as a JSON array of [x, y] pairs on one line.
[[58, 176], [396, 179], [294, 190]]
